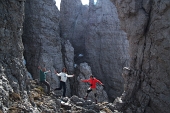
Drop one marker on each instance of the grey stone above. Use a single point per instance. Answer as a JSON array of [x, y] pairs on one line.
[[146, 24], [41, 38], [43, 44], [79, 103], [95, 34], [11, 50], [88, 102], [85, 72], [75, 99]]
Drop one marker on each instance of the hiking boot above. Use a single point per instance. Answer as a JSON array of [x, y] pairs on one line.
[[96, 101]]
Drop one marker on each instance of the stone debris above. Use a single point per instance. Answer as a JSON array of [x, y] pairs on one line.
[[36, 101]]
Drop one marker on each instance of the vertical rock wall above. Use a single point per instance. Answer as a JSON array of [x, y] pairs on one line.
[[97, 39], [73, 22], [106, 46], [12, 70], [85, 72], [147, 24], [43, 45], [41, 36]]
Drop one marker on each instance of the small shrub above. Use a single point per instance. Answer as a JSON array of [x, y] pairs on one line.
[[107, 110], [14, 97], [14, 110], [39, 90]]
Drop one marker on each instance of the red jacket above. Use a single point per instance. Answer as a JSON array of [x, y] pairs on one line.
[[92, 81]]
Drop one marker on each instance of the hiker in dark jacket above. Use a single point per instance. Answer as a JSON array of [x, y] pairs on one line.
[[92, 87], [63, 78], [43, 78]]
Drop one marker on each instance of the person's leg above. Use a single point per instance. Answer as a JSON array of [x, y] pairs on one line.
[[95, 97], [48, 86], [64, 89], [87, 93], [60, 86], [95, 94]]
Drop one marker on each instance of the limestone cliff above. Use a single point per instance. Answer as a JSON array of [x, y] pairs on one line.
[[96, 36], [106, 46], [85, 72], [41, 36], [12, 69], [42, 42], [147, 25], [146, 80]]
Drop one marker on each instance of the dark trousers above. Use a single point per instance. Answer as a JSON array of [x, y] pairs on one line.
[[47, 84], [89, 90], [62, 85]]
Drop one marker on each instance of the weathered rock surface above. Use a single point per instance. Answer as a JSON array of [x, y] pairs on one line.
[[12, 69], [41, 36], [147, 80], [85, 72], [69, 56], [96, 36], [73, 25], [71, 105], [43, 45], [38, 102], [106, 46]]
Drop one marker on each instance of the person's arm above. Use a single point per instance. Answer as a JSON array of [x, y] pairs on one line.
[[85, 80], [70, 75], [58, 74], [47, 71], [39, 67], [100, 82]]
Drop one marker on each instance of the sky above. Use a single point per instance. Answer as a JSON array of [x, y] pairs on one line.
[[84, 2], [58, 3]]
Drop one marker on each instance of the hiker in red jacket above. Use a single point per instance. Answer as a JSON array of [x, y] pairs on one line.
[[92, 87]]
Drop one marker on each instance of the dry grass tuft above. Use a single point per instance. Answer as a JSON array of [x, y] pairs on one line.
[[39, 104], [14, 110], [39, 90], [35, 96], [14, 97], [107, 110]]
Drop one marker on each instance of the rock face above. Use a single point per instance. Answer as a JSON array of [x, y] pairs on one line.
[[13, 74], [147, 81], [85, 72], [52, 104], [96, 36], [42, 42], [106, 46], [12, 69], [69, 56], [41, 36], [73, 22]]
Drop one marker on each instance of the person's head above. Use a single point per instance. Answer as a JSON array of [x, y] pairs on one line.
[[64, 70], [44, 69], [91, 76]]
